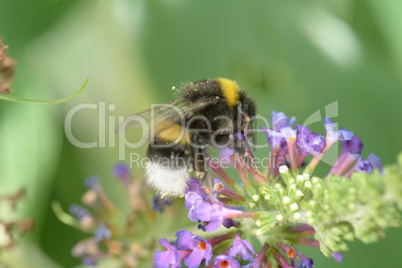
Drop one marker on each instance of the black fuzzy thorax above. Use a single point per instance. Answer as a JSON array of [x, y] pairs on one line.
[[203, 124]]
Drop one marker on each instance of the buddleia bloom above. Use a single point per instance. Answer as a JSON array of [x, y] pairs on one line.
[[287, 205], [122, 235]]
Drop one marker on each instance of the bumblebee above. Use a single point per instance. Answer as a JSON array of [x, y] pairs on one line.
[[207, 114]]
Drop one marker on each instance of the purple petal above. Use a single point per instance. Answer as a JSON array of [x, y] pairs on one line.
[[345, 135], [332, 134], [309, 142], [166, 259], [78, 211], [230, 223], [121, 171], [186, 240], [210, 226], [102, 233], [280, 120], [375, 161], [194, 185], [243, 248], [370, 164], [223, 261], [354, 145], [203, 251], [337, 256], [288, 133]]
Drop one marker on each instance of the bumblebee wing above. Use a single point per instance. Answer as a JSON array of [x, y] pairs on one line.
[[175, 111], [149, 116], [187, 111]]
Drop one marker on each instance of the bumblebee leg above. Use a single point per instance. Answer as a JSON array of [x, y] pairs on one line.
[[198, 157], [199, 165], [240, 148]]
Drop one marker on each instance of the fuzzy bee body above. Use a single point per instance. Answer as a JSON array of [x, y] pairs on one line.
[[210, 112]]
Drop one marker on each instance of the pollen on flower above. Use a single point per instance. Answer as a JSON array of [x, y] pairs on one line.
[[267, 197], [258, 232], [258, 223], [278, 186], [308, 184]]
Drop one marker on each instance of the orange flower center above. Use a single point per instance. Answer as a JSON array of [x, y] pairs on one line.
[[291, 253], [219, 187], [224, 264], [202, 245]]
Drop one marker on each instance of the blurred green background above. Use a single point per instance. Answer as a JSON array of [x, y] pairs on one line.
[[291, 56]]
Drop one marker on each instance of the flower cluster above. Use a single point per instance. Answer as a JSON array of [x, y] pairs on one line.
[[288, 206], [123, 235]]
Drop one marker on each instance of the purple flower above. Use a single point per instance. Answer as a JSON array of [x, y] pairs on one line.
[[345, 135], [243, 248], [274, 138], [280, 120], [192, 201], [288, 133], [304, 261], [337, 256], [78, 211], [370, 164], [121, 170], [309, 142], [194, 185], [200, 248], [224, 157], [213, 214], [223, 261], [92, 182], [167, 259], [230, 223], [332, 134], [354, 145], [280, 128], [102, 233]]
